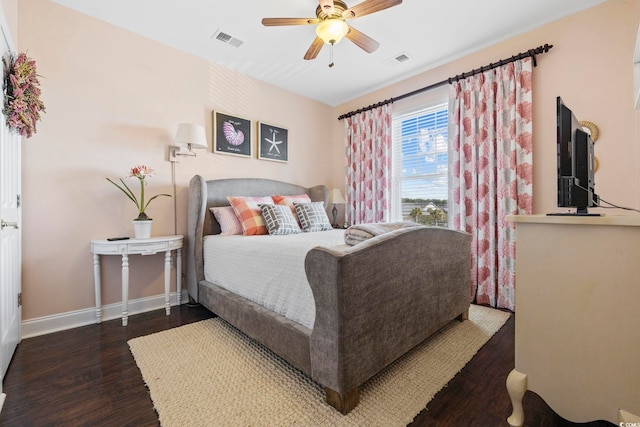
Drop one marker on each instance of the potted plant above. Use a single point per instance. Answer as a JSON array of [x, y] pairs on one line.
[[141, 224]]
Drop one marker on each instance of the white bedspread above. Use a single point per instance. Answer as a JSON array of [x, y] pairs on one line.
[[268, 270]]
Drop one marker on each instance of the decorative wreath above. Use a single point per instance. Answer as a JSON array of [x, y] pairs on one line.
[[593, 129], [22, 105]]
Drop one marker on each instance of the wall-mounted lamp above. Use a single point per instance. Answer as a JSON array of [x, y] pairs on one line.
[[335, 198], [189, 135]]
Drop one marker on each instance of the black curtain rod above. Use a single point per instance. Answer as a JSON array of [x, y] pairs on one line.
[[530, 53]]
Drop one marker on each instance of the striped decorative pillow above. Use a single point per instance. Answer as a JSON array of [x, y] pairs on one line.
[[312, 216], [247, 210], [279, 219], [226, 217]]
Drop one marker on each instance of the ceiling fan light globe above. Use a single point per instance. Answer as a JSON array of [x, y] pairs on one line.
[[332, 30]]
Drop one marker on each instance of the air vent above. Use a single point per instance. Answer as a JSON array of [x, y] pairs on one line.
[[402, 57], [227, 38], [398, 59]]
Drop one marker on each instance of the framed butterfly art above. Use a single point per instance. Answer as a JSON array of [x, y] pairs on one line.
[[231, 135]]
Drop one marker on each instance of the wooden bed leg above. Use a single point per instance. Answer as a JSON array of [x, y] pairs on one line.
[[464, 316], [343, 402]]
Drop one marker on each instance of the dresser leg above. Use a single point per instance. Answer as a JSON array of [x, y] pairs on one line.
[[516, 386]]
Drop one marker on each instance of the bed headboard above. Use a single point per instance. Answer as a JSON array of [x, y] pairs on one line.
[[204, 194]]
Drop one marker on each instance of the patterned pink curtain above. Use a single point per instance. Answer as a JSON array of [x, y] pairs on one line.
[[491, 173], [368, 150]]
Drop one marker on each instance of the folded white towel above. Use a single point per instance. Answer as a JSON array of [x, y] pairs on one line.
[[360, 232]]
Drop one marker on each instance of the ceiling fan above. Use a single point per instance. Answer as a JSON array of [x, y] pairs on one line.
[[331, 17]]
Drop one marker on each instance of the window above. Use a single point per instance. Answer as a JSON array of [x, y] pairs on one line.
[[420, 166]]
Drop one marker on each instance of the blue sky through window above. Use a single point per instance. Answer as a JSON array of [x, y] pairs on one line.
[[424, 154]]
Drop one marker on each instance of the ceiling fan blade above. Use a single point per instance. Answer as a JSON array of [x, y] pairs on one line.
[[362, 40], [369, 6], [274, 22], [314, 49]]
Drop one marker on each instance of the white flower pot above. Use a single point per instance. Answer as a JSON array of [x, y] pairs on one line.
[[142, 228]]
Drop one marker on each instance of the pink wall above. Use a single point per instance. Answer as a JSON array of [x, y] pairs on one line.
[[114, 99], [10, 11], [590, 67]]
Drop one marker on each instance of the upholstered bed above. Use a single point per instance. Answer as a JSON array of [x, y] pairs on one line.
[[373, 301]]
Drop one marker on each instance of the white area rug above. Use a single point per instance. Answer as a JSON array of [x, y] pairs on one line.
[[209, 374]]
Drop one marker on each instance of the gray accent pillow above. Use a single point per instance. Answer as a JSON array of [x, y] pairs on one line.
[[312, 216], [279, 219]]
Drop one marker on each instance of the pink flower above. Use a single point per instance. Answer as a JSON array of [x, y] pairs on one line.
[[141, 172]]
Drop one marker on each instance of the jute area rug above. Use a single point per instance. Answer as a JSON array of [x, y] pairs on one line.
[[209, 374]]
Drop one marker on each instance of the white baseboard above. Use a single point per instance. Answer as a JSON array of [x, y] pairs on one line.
[[73, 319], [2, 397]]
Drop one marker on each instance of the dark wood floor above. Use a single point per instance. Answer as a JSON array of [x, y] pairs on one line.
[[87, 377]]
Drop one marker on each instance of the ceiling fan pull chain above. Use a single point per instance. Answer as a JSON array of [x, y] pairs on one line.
[[331, 55]]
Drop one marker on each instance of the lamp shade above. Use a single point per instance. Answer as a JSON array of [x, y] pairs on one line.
[[335, 197], [332, 30], [194, 136]]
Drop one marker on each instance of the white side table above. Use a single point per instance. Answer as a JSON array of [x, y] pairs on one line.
[[133, 246]]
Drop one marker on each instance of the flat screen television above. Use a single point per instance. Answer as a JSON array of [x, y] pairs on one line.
[[575, 164]]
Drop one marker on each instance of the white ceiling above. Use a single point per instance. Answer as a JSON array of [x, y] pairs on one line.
[[430, 32]]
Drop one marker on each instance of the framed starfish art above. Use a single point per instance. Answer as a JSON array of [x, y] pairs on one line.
[[231, 135], [273, 142]]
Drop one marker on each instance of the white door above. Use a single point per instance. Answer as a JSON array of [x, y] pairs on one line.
[[10, 237], [10, 243]]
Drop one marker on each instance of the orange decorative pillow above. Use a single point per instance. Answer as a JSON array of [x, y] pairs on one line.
[[247, 210]]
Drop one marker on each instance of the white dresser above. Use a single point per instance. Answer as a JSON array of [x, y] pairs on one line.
[[578, 316]]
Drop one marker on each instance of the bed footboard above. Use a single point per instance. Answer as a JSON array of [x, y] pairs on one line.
[[379, 299]]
